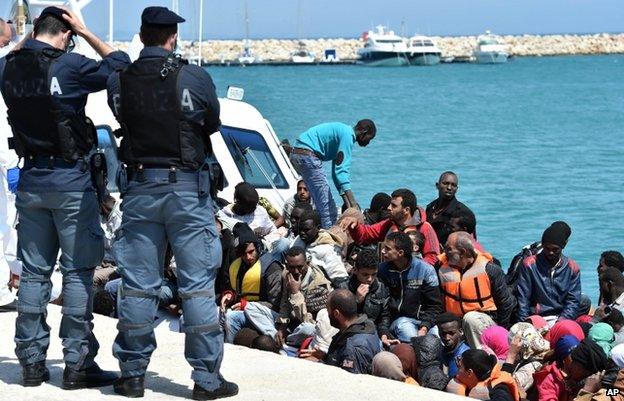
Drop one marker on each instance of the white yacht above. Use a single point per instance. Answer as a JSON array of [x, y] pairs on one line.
[[383, 48], [247, 57], [423, 51], [302, 55], [490, 49], [246, 145]]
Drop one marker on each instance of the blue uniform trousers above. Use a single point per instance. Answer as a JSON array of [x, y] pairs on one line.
[[151, 217], [49, 221]]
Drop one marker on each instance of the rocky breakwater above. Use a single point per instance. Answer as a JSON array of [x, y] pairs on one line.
[[280, 50]]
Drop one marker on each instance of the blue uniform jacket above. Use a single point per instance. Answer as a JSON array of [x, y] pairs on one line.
[[332, 141], [414, 292], [545, 291], [77, 76]]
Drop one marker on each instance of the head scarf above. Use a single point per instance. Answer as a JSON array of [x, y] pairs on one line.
[[534, 346], [495, 338], [590, 356], [407, 356], [563, 327], [564, 347], [584, 319], [540, 324], [428, 351], [388, 365], [603, 335], [617, 355]]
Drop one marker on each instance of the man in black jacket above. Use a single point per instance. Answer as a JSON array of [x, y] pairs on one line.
[[373, 297], [415, 298], [354, 347], [254, 276]]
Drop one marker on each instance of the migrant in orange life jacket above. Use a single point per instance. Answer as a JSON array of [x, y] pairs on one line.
[[469, 290], [482, 389]]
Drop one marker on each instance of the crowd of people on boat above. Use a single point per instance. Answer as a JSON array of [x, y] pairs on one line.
[[407, 293]]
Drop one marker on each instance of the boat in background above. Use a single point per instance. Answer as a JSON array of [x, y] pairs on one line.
[[490, 49], [383, 48], [247, 57], [423, 51], [302, 55]]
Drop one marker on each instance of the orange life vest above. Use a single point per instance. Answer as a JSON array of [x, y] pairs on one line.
[[482, 389], [469, 290]]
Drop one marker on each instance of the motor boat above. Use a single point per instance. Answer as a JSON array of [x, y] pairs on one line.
[[246, 57], [246, 145], [383, 48], [423, 51], [302, 55], [490, 49]]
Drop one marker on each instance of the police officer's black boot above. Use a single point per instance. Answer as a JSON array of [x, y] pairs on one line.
[[35, 374], [227, 389], [132, 387], [87, 378]]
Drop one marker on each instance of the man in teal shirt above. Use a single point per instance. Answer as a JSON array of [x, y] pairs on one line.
[[329, 142]]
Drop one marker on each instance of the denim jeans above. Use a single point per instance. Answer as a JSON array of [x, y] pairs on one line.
[[404, 328], [262, 318], [49, 221], [311, 170], [187, 222]]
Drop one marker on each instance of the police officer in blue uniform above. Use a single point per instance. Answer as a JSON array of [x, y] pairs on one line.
[[167, 110], [45, 89]]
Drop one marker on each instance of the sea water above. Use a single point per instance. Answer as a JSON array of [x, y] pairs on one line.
[[533, 141]]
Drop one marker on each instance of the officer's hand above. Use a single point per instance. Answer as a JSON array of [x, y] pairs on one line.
[[236, 306], [77, 26], [13, 178]]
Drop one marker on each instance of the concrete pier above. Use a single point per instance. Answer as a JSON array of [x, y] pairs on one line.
[[260, 375]]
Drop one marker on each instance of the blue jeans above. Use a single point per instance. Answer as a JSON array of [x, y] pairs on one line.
[[49, 221], [404, 328], [311, 170], [187, 222]]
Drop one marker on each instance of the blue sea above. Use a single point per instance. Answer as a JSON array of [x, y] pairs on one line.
[[533, 141]]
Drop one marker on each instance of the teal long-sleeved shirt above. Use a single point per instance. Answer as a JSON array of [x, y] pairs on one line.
[[328, 141]]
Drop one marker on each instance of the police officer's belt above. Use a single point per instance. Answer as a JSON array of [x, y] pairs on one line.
[[53, 162], [161, 174]]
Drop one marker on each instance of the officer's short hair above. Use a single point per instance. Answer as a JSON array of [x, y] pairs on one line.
[[49, 25], [157, 35]]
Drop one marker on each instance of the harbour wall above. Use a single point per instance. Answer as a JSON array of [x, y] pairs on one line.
[[279, 50]]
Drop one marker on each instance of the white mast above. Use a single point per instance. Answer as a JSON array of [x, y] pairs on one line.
[[110, 22], [201, 26]]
